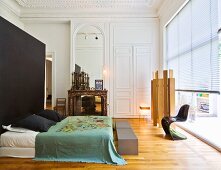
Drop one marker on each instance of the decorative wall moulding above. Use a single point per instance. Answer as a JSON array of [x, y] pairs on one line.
[[83, 13]]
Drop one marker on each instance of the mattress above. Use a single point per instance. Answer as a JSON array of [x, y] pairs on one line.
[[17, 152], [19, 140]]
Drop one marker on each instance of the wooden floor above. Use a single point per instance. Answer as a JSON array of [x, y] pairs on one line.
[[155, 152]]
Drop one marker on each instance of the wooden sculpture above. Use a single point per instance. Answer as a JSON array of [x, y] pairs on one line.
[[162, 96]]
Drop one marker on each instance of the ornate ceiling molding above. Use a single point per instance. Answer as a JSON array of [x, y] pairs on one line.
[[88, 8], [84, 4]]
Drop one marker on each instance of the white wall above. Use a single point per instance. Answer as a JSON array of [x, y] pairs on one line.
[[91, 61], [134, 55], [166, 12], [131, 53], [89, 53], [139, 34], [10, 11], [56, 36]]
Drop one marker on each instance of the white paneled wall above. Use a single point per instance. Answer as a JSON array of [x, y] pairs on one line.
[[130, 54], [132, 69], [132, 45], [123, 81], [130, 50], [142, 75]]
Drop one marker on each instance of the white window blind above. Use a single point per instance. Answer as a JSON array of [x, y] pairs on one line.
[[192, 46]]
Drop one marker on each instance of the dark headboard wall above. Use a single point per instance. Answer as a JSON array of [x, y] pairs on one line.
[[22, 73]]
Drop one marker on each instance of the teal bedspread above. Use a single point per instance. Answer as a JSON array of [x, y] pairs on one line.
[[79, 139]]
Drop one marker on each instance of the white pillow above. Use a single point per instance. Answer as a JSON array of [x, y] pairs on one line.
[[16, 129]]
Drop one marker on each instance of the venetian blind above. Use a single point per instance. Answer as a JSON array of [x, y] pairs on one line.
[[192, 46]]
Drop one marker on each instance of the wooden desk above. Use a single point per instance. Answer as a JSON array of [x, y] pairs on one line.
[[74, 94]]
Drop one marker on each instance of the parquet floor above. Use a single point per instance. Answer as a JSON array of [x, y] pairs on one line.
[[155, 152]]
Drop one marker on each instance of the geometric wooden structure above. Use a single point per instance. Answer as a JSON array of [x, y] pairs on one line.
[[162, 96]]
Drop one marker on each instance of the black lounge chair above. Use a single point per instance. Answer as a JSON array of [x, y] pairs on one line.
[[181, 117]]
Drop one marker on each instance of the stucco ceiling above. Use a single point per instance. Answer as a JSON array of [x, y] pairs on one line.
[[79, 4], [87, 8]]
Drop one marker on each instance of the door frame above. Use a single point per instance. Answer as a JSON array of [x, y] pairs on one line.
[[53, 83]]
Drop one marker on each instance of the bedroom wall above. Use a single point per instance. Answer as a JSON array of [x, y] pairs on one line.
[[21, 74], [10, 11], [144, 33], [141, 37], [56, 36], [131, 53], [134, 56], [139, 34], [88, 50]]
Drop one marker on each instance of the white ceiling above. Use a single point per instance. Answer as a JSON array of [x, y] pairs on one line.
[[79, 4], [54, 9]]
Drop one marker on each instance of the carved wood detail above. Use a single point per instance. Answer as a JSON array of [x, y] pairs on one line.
[[72, 94]]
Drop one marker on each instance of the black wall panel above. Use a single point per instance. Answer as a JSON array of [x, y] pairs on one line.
[[22, 73]]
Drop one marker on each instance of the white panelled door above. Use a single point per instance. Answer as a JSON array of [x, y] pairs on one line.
[[123, 81], [132, 70]]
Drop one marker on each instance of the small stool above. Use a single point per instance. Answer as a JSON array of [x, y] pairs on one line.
[[127, 142], [122, 124]]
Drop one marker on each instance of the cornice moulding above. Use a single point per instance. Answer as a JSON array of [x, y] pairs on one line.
[[171, 4], [12, 6], [39, 13], [163, 7], [79, 20], [95, 8]]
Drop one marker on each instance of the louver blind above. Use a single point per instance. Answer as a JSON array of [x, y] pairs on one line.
[[192, 46]]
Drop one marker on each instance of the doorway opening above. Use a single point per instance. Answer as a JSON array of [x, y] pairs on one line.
[[48, 83]]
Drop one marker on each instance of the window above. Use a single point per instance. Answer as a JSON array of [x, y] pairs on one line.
[[192, 52], [192, 46]]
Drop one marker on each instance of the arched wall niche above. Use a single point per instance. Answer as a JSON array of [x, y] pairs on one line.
[[79, 31]]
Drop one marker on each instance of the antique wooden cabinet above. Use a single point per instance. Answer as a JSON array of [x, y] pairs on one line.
[[83, 102]]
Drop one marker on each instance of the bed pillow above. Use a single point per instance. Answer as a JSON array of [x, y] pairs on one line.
[[35, 123], [16, 129], [51, 115]]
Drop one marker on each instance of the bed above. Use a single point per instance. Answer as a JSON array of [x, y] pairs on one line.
[[21, 145], [78, 139]]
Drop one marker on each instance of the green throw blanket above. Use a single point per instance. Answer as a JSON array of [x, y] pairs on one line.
[[79, 139]]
